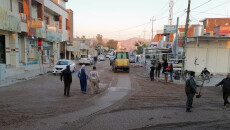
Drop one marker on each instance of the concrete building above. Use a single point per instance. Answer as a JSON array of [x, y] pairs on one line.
[[34, 31], [212, 52], [81, 46]]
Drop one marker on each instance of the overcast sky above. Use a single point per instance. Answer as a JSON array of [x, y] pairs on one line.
[[120, 19]]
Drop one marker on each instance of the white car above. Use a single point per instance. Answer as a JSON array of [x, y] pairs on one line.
[[86, 59], [101, 57], [62, 64], [107, 55]]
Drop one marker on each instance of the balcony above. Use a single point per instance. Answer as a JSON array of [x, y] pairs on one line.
[[23, 17]]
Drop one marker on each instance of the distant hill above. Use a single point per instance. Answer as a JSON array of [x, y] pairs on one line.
[[130, 43]]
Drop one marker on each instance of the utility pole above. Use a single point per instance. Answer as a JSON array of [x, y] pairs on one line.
[[144, 34], [186, 34], [152, 28], [187, 23], [171, 5], [176, 41]]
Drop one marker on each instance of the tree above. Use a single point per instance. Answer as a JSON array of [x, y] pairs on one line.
[[99, 38], [112, 44], [140, 45]]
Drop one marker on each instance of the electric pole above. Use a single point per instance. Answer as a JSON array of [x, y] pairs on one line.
[[171, 5], [144, 34], [186, 34], [187, 24], [152, 28]]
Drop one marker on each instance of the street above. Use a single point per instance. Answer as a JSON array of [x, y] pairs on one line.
[[126, 101]]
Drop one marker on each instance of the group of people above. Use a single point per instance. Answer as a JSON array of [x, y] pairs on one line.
[[191, 89], [166, 70], [83, 76]]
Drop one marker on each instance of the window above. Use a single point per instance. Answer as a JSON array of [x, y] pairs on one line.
[[20, 7], [47, 20], [122, 55], [62, 63], [67, 24]]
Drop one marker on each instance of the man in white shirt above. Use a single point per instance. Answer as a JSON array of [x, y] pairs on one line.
[[94, 80]]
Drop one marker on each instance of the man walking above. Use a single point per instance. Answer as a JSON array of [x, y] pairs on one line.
[[83, 76], [94, 80], [67, 75], [226, 89], [190, 90]]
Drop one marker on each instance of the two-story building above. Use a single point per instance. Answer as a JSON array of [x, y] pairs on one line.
[[34, 31]]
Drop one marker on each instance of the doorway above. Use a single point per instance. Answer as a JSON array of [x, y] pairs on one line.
[[2, 50]]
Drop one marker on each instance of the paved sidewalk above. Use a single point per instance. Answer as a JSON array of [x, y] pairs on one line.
[[14, 75]]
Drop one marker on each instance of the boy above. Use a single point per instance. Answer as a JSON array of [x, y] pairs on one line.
[[94, 80]]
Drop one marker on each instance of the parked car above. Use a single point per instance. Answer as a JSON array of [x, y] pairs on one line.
[[111, 59], [62, 64], [107, 55], [101, 57], [132, 59], [86, 59]]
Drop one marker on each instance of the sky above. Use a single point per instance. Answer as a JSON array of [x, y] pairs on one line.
[[124, 19]]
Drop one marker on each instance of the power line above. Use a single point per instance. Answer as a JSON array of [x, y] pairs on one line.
[[126, 28], [201, 5], [210, 13]]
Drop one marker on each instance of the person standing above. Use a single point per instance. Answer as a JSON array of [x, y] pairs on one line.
[[152, 71], [166, 73], [94, 80], [226, 89], [67, 75], [158, 69], [95, 60], [165, 65], [171, 72], [83, 76], [190, 90]]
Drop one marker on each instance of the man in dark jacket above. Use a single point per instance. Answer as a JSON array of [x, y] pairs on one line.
[[190, 90], [158, 69], [226, 89], [67, 75]]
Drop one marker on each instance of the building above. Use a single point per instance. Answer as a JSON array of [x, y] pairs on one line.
[[212, 52], [210, 23], [34, 31], [81, 46]]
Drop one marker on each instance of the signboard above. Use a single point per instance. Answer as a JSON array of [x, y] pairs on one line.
[[36, 24], [41, 32], [9, 22], [69, 48], [54, 36], [170, 29]]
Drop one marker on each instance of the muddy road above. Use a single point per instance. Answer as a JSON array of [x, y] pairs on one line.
[[127, 101]]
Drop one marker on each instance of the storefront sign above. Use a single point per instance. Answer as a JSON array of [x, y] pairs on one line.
[[170, 29], [41, 32], [36, 24], [69, 48], [9, 22], [54, 36]]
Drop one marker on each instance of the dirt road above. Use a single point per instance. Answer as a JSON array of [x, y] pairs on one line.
[[131, 102]]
